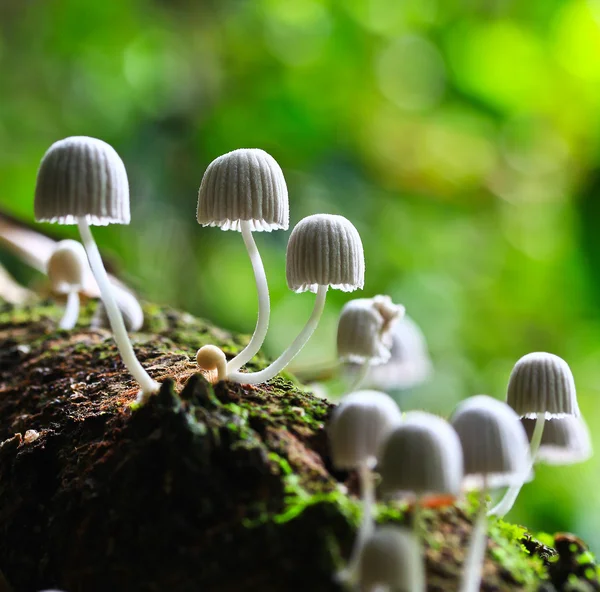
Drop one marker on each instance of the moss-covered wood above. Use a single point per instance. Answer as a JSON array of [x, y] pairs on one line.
[[204, 489]]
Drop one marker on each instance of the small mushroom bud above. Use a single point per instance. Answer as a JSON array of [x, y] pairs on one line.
[[211, 358], [66, 270]]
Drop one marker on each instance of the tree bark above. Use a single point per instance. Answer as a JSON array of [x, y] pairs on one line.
[[224, 488]]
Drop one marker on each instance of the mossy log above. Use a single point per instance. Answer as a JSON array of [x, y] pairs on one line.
[[225, 488]]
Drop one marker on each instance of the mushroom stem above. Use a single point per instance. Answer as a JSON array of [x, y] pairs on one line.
[[288, 355], [264, 306], [117, 324], [71, 313], [471, 579], [416, 525], [359, 377], [504, 506], [367, 525]]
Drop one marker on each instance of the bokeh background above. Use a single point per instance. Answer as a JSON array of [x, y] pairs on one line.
[[462, 137]]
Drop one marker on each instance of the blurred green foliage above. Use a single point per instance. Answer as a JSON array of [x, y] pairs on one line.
[[460, 136]]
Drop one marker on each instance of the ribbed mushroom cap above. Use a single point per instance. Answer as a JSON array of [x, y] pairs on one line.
[[67, 266], [421, 456], [390, 558], [542, 383], [364, 329], [494, 443], [246, 184], [81, 177], [565, 440], [325, 250], [358, 426]]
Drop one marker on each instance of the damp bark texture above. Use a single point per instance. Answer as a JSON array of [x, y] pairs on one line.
[[225, 488]]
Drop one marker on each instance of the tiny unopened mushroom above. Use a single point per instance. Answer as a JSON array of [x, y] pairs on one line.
[[211, 359], [324, 251], [356, 430], [245, 190], [541, 386], [421, 457], [66, 270], [495, 454], [565, 441], [390, 560], [363, 333], [83, 181]]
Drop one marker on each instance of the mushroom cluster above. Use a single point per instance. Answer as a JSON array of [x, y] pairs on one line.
[[426, 460], [486, 445]]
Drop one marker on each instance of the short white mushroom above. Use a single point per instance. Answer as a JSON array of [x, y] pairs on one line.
[[323, 251], [356, 430], [390, 561], [245, 190], [364, 333], [495, 454], [213, 360], [66, 270], [565, 441], [83, 181], [421, 457], [541, 386]]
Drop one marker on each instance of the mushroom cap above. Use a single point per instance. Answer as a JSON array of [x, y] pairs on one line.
[[67, 266], [208, 357], [364, 329], [494, 443], [357, 427], [421, 456], [391, 558], [565, 440], [325, 250], [409, 364], [81, 177], [542, 383], [244, 185]]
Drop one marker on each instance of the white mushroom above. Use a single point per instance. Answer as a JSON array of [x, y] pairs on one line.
[[541, 386], [495, 454], [358, 426], [245, 190], [83, 181], [323, 251], [66, 271]]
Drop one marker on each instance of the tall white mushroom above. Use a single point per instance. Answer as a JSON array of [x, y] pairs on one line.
[[83, 181], [323, 251], [541, 386], [245, 190], [364, 333], [66, 270], [357, 428], [495, 454], [422, 456]]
